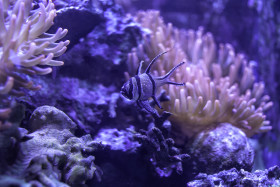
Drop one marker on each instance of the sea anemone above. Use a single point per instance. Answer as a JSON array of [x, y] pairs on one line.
[[25, 47], [220, 85]]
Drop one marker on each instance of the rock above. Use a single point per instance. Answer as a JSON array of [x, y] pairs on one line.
[[233, 177], [122, 140], [221, 148], [51, 117]]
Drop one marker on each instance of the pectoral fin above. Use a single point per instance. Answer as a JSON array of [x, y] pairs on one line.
[[146, 105]]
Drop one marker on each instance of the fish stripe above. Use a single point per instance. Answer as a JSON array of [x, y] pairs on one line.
[[138, 86], [130, 94], [153, 83]]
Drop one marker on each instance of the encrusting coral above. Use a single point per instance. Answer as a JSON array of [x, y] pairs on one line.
[[52, 155], [220, 84], [25, 47]]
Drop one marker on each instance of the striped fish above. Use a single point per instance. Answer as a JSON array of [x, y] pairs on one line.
[[143, 86]]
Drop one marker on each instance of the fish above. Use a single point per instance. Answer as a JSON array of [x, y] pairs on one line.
[[144, 86]]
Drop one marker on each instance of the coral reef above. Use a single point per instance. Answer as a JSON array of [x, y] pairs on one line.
[[50, 117], [82, 95], [161, 152], [90, 107], [53, 155], [233, 177], [87, 87], [265, 45], [221, 148], [26, 48], [11, 137], [25, 44], [103, 50], [223, 103], [252, 28], [118, 139], [8, 181], [9, 145], [220, 84], [121, 162], [138, 159], [79, 17]]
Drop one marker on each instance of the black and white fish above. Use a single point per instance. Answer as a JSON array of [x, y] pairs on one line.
[[143, 86]]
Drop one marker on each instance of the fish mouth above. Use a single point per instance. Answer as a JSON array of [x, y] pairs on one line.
[[123, 93]]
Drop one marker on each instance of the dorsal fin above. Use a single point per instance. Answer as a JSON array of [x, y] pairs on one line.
[[150, 65], [170, 72], [138, 72]]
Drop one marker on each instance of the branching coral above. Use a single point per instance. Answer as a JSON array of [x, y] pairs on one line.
[[162, 153], [25, 47], [220, 84]]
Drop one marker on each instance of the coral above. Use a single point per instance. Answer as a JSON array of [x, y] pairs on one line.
[[26, 49], [89, 106], [221, 148], [25, 45], [80, 17], [48, 116], [11, 137], [54, 155], [86, 85], [118, 139], [9, 140], [232, 177], [267, 23], [220, 84], [103, 50], [8, 181], [161, 152], [120, 161]]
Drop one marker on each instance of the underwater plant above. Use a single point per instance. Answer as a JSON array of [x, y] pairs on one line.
[[26, 49], [220, 85]]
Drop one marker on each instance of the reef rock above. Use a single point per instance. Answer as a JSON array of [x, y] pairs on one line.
[[122, 140], [221, 148], [161, 152], [50, 117], [232, 177]]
